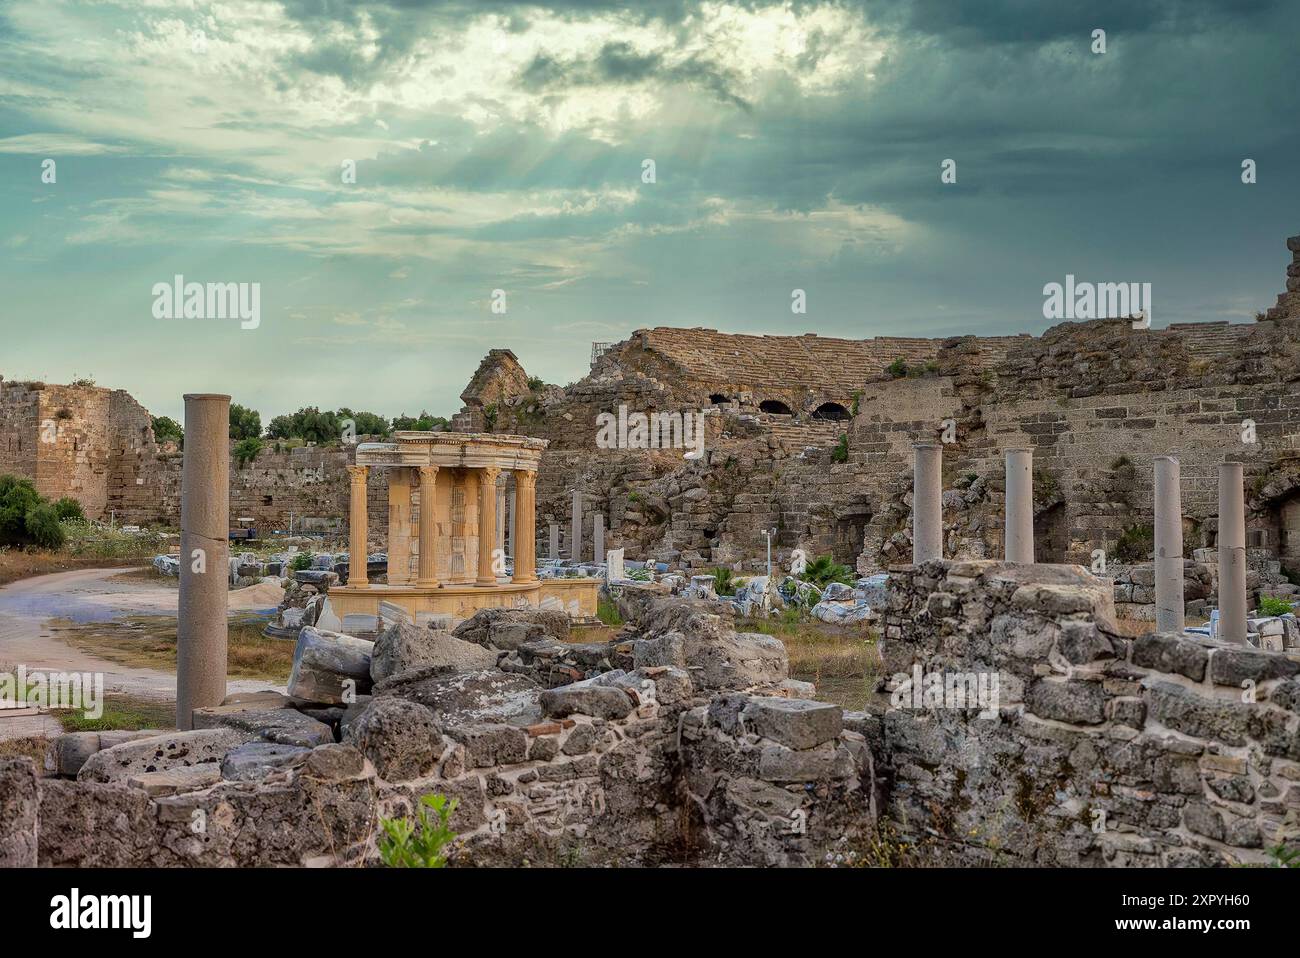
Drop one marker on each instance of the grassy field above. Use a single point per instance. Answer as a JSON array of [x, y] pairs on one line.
[[149, 641], [843, 663], [122, 713]]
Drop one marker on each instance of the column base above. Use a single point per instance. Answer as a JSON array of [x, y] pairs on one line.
[[485, 583]]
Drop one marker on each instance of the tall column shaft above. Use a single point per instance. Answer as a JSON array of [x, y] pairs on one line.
[[525, 544], [1232, 554], [553, 545], [598, 535], [512, 520], [575, 527], [1020, 506], [427, 575], [201, 630], [358, 525], [487, 521], [1169, 545], [501, 519], [927, 502], [399, 526]]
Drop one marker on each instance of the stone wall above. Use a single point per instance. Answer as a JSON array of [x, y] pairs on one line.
[[1102, 750]]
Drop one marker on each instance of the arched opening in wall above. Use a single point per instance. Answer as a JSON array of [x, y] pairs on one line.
[[1051, 534], [849, 528], [775, 406], [1284, 516], [832, 412], [718, 399]]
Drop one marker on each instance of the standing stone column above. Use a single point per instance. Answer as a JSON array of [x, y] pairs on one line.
[[201, 629], [1232, 554], [575, 534], [1020, 506], [399, 526], [525, 544], [487, 520], [1169, 545], [553, 546], [358, 525], [501, 518], [427, 575], [927, 502], [512, 523], [598, 535]]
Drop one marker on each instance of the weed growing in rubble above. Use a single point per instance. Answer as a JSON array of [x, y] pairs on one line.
[[608, 613], [724, 583], [301, 561], [824, 570], [422, 843], [841, 451], [1271, 606], [1136, 543]]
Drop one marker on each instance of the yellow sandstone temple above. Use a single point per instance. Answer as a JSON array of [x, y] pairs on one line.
[[449, 558]]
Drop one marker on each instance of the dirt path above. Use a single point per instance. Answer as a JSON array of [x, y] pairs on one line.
[[98, 595]]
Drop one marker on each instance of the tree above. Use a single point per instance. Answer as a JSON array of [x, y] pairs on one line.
[[245, 423], [421, 423], [246, 450], [364, 423], [166, 429], [308, 424]]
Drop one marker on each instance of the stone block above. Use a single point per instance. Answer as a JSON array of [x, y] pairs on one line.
[[795, 723]]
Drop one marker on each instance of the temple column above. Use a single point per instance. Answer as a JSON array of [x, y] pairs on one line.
[[201, 628], [1019, 521], [598, 536], [501, 519], [1232, 555], [512, 523], [927, 502], [487, 521], [1169, 546], [427, 576], [575, 534], [525, 544], [399, 526], [358, 523], [553, 545]]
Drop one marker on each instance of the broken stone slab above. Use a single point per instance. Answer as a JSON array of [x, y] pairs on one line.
[[463, 698], [795, 723], [400, 738], [266, 699], [776, 763], [488, 745], [329, 667], [1079, 703], [1166, 652], [598, 701], [334, 763], [284, 726], [71, 750], [667, 649], [254, 761], [1233, 666], [170, 750], [404, 647], [174, 781], [510, 628]]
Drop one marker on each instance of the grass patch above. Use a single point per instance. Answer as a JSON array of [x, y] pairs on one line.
[[843, 663], [125, 713], [149, 642], [607, 612]]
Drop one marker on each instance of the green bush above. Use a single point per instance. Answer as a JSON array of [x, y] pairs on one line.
[[1272, 606], [68, 508], [1136, 543], [898, 368], [724, 581], [165, 428], [824, 570], [42, 525], [246, 450], [419, 844], [300, 561]]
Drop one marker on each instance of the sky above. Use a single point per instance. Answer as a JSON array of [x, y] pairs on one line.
[[376, 170]]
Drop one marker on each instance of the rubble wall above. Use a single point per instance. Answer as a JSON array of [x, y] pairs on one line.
[[1105, 750]]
